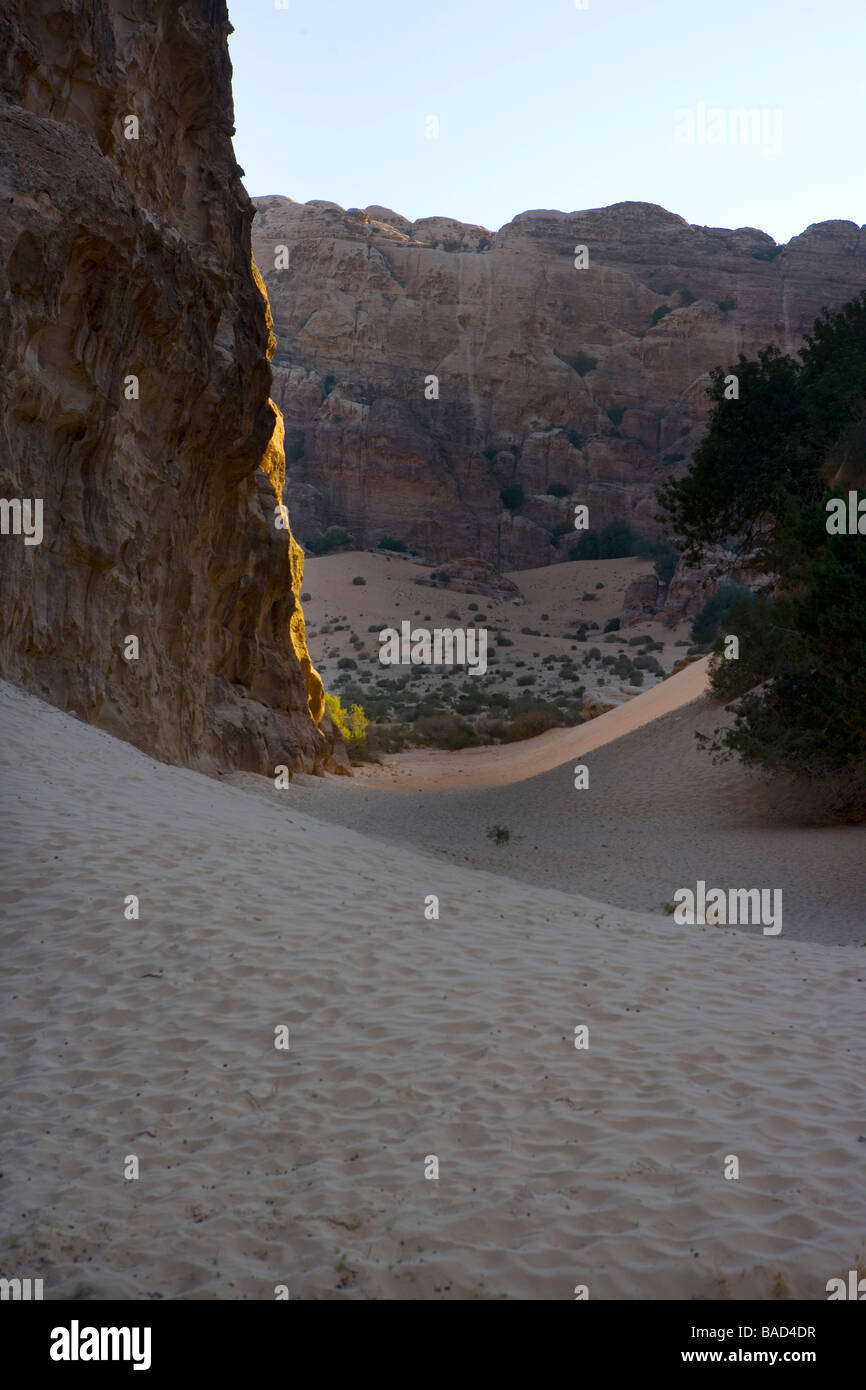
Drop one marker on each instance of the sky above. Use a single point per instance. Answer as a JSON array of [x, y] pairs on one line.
[[543, 104]]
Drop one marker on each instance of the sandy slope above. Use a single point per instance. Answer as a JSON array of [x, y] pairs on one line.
[[498, 765], [408, 1038]]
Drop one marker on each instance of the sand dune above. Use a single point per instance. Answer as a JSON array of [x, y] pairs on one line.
[[498, 765], [657, 816], [409, 1038]]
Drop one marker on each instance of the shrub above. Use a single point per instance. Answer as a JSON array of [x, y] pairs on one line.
[[512, 497], [558, 490], [503, 641], [582, 362], [589, 597], [708, 623], [531, 723], [726, 305], [389, 543], [333, 537], [499, 834], [359, 579], [306, 598], [351, 723], [575, 439], [347, 664], [610, 543], [526, 680], [445, 731], [612, 625], [659, 313]]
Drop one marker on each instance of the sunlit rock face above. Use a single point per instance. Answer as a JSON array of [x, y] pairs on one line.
[[591, 376], [134, 386]]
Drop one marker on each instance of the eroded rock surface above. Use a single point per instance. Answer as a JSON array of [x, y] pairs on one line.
[[547, 374], [126, 259]]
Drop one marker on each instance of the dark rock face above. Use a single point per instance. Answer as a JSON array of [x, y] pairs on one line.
[[134, 387], [591, 378]]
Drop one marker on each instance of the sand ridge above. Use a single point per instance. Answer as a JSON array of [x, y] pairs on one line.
[[408, 1038]]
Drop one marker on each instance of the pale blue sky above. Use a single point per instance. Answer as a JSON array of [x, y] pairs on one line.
[[543, 105]]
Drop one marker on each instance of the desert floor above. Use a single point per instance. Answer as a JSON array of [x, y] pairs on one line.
[[412, 1037]]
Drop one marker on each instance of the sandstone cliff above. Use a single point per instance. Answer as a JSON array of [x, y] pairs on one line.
[[134, 387], [590, 378]]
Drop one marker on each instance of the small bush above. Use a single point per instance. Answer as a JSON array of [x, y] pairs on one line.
[[347, 664], [306, 598], [333, 537], [612, 625], [499, 834], [512, 497], [531, 723], [359, 579], [558, 490], [659, 313], [582, 363], [726, 305], [708, 623], [589, 597], [389, 543]]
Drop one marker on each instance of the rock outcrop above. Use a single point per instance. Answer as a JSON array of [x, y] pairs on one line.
[[593, 379], [134, 386]]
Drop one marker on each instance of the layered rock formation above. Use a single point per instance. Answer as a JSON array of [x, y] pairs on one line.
[[134, 387], [591, 378]]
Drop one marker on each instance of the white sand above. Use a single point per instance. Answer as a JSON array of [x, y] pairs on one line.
[[408, 1038]]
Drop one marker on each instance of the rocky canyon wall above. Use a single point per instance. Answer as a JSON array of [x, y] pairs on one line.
[[592, 378], [134, 394]]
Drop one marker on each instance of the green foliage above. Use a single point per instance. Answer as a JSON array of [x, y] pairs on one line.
[[610, 543], [352, 723], [582, 362], [389, 543], [335, 536], [558, 490], [359, 579], [512, 497], [612, 625], [707, 625], [726, 305], [760, 481]]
